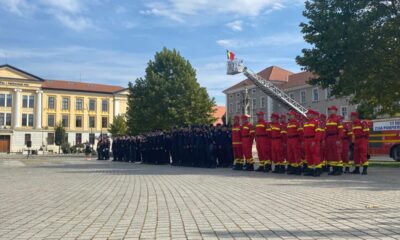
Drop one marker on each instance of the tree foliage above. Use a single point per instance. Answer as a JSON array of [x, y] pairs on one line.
[[118, 127], [169, 95], [355, 50], [60, 136]]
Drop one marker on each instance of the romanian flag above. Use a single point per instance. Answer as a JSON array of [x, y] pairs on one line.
[[231, 55]]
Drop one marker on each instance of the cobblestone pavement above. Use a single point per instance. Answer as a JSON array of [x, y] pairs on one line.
[[70, 198]]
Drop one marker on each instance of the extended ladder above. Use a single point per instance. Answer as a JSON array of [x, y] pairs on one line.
[[237, 66]]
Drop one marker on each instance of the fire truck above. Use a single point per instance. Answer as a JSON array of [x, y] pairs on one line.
[[385, 138]]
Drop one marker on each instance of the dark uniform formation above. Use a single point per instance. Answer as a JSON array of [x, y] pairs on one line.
[[195, 146]]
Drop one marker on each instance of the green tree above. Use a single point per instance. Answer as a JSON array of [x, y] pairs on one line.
[[168, 95], [60, 136], [355, 50], [118, 127]]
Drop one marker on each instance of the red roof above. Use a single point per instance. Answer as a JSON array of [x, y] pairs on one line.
[[220, 111], [298, 79], [80, 86], [272, 73]]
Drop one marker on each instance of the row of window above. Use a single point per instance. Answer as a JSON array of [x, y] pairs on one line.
[[51, 121], [51, 138], [5, 100], [65, 104]]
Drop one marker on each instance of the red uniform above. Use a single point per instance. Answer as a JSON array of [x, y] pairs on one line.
[[247, 133], [361, 134], [346, 139], [261, 141], [333, 136], [293, 143], [276, 144], [322, 120], [284, 137], [237, 144], [312, 143]]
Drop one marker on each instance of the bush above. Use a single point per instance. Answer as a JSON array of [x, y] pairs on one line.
[[66, 147]]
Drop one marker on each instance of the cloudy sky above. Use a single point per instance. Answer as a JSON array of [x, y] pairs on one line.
[[111, 41]]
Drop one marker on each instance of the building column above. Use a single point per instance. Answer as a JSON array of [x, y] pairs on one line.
[[116, 107], [38, 113], [17, 108]]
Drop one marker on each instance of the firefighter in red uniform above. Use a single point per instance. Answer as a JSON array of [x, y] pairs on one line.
[[333, 137], [276, 144], [346, 139], [293, 144], [237, 144], [325, 166], [261, 141], [283, 122], [312, 144], [247, 142], [361, 134]]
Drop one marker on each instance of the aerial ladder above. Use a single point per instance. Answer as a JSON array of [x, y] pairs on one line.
[[236, 66]]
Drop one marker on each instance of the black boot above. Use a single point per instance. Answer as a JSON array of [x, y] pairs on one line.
[[298, 170], [267, 168], [339, 171], [317, 172], [365, 172], [282, 169], [260, 169], [238, 167], [249, 167], [356, 171], [277, 169], [347, 170], [310, 172], [291, 170]]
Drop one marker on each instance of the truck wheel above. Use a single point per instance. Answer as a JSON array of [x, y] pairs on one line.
[[396, 153]]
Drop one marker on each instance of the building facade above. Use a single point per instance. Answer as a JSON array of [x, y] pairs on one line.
[[245, 97], [30, 108]]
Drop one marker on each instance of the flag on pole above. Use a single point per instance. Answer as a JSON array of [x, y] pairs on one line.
[[231, 55]]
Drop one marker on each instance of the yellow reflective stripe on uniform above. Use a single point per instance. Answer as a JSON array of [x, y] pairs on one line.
[[358, 127], [340, 126], [319, 130], [350, 133], [235, 143], [291, 126], [277, 129], [309, 125], [283, 132], [245, 127], [268, 129], [235, 129], [251, 131], [331, 124], [260, 125], [366, 130], [300, 129]]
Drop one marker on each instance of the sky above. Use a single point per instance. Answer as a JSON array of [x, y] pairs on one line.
[[111, 41]]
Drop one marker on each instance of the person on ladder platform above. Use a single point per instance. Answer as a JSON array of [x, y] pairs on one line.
[[276, 144], [293, 144], [312, 144], [346, 139], [334, 134], [361, 134], [261, 141], [237, 144], [247, 134]]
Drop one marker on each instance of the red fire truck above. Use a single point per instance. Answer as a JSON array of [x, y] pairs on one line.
[[385, 138]]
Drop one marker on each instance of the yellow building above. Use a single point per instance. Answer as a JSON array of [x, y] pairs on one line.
[[30, 107]]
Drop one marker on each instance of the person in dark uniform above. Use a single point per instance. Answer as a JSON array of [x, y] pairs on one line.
[[98, 149], [114, 148]]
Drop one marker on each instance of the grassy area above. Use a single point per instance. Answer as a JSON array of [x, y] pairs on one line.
[[391, 164]]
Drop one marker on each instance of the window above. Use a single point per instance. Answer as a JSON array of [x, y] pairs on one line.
[[262, 102], [64, 121], [231, 107], [27, 138], [92, 104], [303, 96], [315, 95], [254, 103], [78, 121], [2, 119], [238, 107], [104, 122], [328, 92], [343, 112], [50, 120], [65, 103], [79, 104], [91, 138], [50, 138], [25, 101], [104, 105], [78, 138], [9, 100], [27, 120], [254, 91], [92, 121], [51, 103], [2, 100], [8, 119], [31, 101]]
